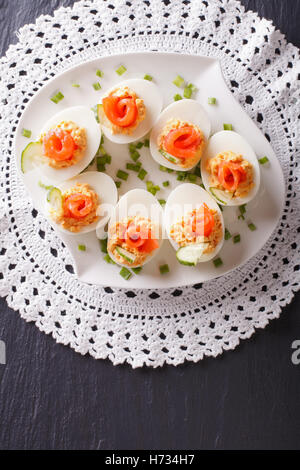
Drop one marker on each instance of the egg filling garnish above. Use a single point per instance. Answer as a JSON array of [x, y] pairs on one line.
[[181, 142], [132, 240], [122, 110]]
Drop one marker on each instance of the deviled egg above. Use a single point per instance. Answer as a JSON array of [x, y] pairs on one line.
[[68, 142], [230, 169], [135, 229], [180, 134], [83, 203], [129, 110], [194, 224]]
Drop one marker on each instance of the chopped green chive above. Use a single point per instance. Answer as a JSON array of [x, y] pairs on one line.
[[192, 177], [57, 98], [26, 133], [102, 140], [162, 202], [166, 184], [149, 184], [252, 227], [97, 86], [99, 73], [135, 155], [101, 160], [137, 270], [75, 85], [125, 273], [177, 97], [118, 183], [147, 143], [134, 167], [108, 159], [164, 269], [212, 100], [217, 262], [198, 171], [121, 70], [227, 234], [178, 81], [148, 77], [181, 175], [142, 173], [153, 190], [242, 212], [103, 244], [263, 160], [132, 147], [108, 259], [237, 238], [187, 92], [123, 175], [81, 247], [162, 168], [100, 167], [227, 127], [139, 145]]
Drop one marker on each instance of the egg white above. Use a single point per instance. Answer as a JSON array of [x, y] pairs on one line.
[[107, 192], [139, 202], [231, 141], [184, 110], [153, 101], [183, 200], [84, 117]]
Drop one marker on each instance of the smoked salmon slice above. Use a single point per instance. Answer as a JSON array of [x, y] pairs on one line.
[[59, 145], [121, 111], [230, 175], [77, 205], [182, 142]]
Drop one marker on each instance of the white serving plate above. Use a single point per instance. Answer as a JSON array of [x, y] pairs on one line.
[[264, 210]]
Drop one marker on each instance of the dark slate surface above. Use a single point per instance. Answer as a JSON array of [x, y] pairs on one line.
[[51, 397]]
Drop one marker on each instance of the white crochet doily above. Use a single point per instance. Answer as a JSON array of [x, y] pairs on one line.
[[142, 326]]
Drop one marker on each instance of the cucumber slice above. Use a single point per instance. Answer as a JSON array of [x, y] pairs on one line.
[[100, 112], [190, 255], [169, 157], [29, 156], [54, 197], [220, 195], [127, 255]]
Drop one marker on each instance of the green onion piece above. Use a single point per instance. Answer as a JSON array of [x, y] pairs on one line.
[[263, 160], [187, 92], [162, 168], [142, 173], [162, 202], [139, 145], [153, 190], [97, 86], [149, 184], [156, 187], [169, 170], [102, 139], [75, 85], [125, 273], [101, 160], [177, 97], [57, 98], [212, 100], [44, 186], [137, 270], [135, 155], [192, 87], [100, 167], [26, 133], [118, 183], [108, 159], [252, 227], [132, 148], [178, 81], [192, 177], [121, 70], [134, 167], [242, 209], [148, 77], [164, 269], [103, 244], [101, 150], [99, 73], [81, 247], [181, 175], [227, 127], [166, 184], [123, 175], [217, 262], [108, 259], [237, 238], [198, 171], [227, 234], [147, 143]]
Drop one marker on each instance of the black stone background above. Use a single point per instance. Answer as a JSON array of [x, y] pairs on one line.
[[53, 398]]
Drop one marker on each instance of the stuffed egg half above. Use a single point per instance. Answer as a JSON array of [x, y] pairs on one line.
[[68, 142], [180, 135], [194, 224], [135, 232], [129, 110], [82, 204], [230, 169]]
